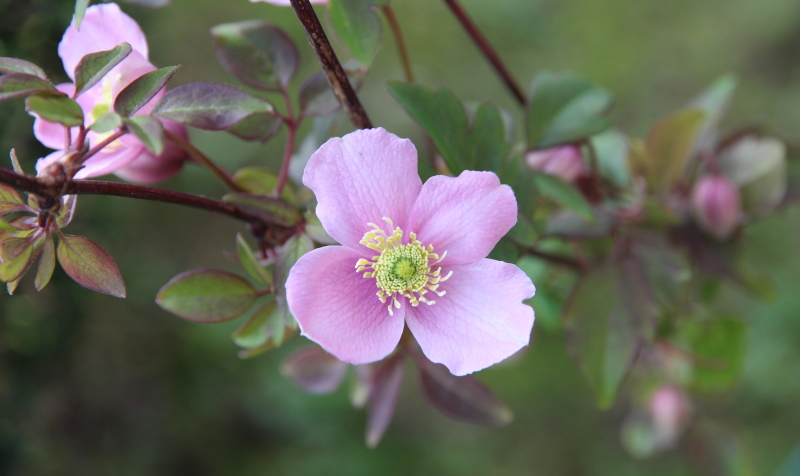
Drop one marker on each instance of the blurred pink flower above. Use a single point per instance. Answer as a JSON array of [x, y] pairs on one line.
[[717, 206], [671, 410], [285, 3], [563, 161], [104, 27], [429, 267]]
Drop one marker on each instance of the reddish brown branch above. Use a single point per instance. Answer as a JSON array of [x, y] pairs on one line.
[[337, 78], [400, 41], [487, 50]]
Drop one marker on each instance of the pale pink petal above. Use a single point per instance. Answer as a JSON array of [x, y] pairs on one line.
[[51, 134], [465, 215], [361, 178], [103, 27], [147, 168], [104, 163], [285, 3], [338, 309], [480, 321], [50, 159]]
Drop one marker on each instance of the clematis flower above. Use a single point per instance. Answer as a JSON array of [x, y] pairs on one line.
[[104, 27], [564, 161], [285, 3], [411, 254]]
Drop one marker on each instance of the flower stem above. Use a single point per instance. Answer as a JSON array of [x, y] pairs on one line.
[[487, 50], [203, 160], [291, 129], [102, 145], [337, 78], [400, 41]]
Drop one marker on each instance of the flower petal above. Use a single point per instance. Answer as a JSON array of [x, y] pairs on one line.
[[103, 27], [104, 163], [337, 308], [148, 168], [361, 178], [480, 321], [465, 215]]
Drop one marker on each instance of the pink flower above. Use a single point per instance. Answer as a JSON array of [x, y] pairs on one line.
[[285, 3], [564, 161], [671, 410], [412, 254], [104, 27], [717, 206]]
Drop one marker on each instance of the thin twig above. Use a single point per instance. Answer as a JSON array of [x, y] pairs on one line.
[[103, 144], [399, 41], [291, 130], [203, 160], [337, 78], [487, 50]]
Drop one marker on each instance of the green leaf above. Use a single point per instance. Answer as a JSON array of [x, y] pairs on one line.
[[719, 347], [264, 325], [89, 265], [209, 106], [259, 126], [609, 314], [256, 53], [107, 122], [207, 296], [14, 65], [260, 181], [47, 263], [759, 167], [714, 101], [669, 146], [523, 232], [358, 25], [479, 146], [149, 130], [80, 9], [564, 193], [564, 108], [287, 256], [60, 109], [142, 90], [20, 84], [94, 66], [10, 194], [611, 148], [19, 253], [269, 208], [250, 263]]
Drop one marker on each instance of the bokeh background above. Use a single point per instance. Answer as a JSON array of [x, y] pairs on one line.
[[93, 385]]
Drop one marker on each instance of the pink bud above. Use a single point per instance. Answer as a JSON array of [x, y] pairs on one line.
[[564, 161], [670, 409], [717, 206]]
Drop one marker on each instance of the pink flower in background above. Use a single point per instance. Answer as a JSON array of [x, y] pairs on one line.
[[565, 161], [717, 206], [285, 3], [412, 254], [104, 27]]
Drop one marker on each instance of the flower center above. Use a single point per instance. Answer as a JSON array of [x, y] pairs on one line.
[[401, 270]]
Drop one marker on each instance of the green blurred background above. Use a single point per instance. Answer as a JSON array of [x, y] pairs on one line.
[[93, 385]]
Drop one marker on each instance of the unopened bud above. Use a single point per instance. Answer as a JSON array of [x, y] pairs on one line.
[[564, 161], [670, 410], [717, 206]]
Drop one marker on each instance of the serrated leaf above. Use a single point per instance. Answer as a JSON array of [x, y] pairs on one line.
[[385, 388], [259, 126], [610, 313], [80, 9], [207, 296], [47, 263], [94, 66], [89, 265], [564, 108], [14, 65], [107, 122], [250, 262], [20, 84], [209, 106], [142, 90], [265, 324], [314, 370], [60, 109], [269, 208], [460, 398], [358, 25], [256, 53], [149, 130], [464, 146], [564, 193], [669, 146]]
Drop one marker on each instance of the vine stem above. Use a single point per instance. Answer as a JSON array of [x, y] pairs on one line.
[[204, 160], [334, 71], [399, 41], [487, 50]]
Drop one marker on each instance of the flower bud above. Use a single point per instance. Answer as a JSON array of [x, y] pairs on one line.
[[670, 410], [564, 161], [717, 206]]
